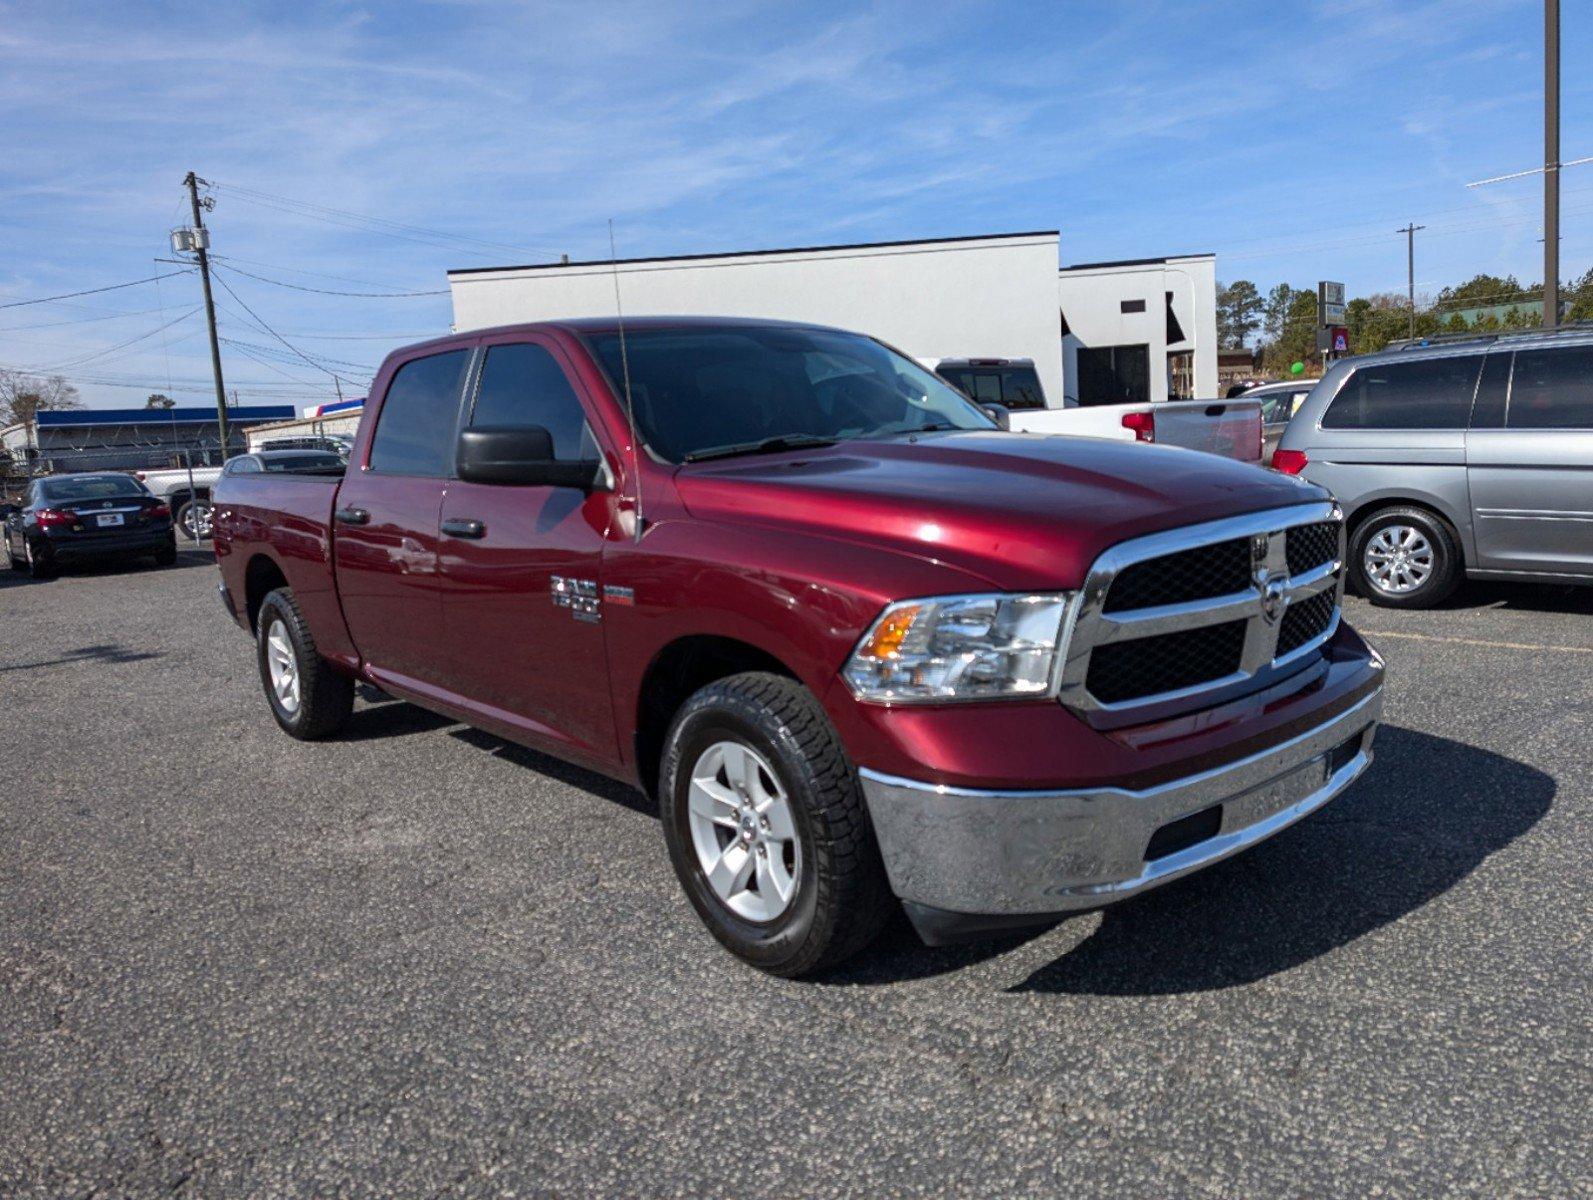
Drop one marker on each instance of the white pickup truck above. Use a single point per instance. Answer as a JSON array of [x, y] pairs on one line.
[[187, 491], [1230, 428]]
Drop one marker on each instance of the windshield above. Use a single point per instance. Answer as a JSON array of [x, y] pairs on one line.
[[702, 389], [90, 487]]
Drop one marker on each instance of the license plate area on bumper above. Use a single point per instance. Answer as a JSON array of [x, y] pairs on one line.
[[1036, 852]]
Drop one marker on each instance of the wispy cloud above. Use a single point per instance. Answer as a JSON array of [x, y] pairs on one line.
[[1283, 133]]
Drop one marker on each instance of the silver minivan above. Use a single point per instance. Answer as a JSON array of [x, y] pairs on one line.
[[1467, 459]]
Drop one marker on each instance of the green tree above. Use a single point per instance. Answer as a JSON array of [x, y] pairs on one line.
[[1580, 295], [159, 400], [1276, 311], [1239, 310], [1296, 340]]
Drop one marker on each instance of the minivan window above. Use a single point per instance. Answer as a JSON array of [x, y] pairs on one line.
[[1431, 394], [523, 384], [414, 433], [1492, 389], [1552, 389]]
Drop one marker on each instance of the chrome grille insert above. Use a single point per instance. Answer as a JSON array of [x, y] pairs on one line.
[[1168, 622]]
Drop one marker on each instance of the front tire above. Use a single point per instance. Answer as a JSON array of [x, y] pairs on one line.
[[1403, 557], [767, 828], [308, 698]]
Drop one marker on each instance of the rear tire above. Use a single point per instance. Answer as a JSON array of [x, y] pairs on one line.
[[193, 518], [12, 561], [1403, 557], [166, 556], [839, 898], [308, 698], [39, 566]]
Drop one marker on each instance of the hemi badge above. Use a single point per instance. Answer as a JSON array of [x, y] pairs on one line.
[[623, 596]]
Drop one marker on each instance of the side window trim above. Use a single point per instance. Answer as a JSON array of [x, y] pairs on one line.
[[472, 350], [560, 360]]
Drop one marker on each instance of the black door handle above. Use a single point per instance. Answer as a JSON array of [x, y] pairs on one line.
[[463, 527], [353, 516]]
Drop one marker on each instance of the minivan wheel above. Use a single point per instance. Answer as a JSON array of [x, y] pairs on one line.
[[1404, 558], [308, 698], [767, 829]]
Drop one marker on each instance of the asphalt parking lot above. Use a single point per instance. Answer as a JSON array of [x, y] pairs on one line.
[[415, 961]]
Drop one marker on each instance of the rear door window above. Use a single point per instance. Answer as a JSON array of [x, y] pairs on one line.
[[1552, 389], [522, 384], [1431, 394], [415, 430]]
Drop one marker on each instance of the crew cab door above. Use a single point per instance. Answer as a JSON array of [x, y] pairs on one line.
[[1529, 455], [384, 525], [508, 552]]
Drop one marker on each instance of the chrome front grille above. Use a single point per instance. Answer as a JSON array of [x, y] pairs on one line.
[[1181, 619]]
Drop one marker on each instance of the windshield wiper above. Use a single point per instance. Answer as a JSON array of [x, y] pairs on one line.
[[786, 441]]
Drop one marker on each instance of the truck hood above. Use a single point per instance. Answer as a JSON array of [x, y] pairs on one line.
[[1022, 511]]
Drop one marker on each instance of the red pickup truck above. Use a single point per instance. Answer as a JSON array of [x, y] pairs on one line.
[[858, 642]]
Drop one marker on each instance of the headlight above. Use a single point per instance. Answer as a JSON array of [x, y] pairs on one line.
[[960, 648]]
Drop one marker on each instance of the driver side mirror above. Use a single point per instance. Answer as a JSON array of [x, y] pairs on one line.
[[999, 413], [521, 455]]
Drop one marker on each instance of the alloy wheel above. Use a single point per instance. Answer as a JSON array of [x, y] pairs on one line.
[[1398, 559], [743, 831], [282, 661]]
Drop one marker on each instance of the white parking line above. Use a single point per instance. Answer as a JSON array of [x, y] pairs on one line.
[[1427, 637]]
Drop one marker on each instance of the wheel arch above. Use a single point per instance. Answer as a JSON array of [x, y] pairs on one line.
[[261, 577], [1369, 506], [679, 669]]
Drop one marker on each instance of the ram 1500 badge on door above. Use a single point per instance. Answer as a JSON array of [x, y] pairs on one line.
[[862, 647]]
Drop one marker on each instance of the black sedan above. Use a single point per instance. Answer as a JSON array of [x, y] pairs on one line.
[[67, 518]]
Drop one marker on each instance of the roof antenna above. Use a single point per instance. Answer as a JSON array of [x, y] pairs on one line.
[[625, 367]]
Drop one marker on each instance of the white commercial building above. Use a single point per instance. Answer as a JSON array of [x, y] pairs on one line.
[[1099, 334]]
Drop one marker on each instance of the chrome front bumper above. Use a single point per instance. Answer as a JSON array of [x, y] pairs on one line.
[[1043, 852]]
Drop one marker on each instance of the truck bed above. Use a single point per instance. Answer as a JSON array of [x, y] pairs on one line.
[[1230, 428], [286, 519]]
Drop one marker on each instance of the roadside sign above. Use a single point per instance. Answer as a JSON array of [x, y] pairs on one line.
[[1329, 304]]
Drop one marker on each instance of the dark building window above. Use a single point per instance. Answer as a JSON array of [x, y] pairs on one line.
[[1114, 374], [1175, 331]]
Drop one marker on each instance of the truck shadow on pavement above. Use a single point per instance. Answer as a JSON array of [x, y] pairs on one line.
[[1426, 815], [110, 653]]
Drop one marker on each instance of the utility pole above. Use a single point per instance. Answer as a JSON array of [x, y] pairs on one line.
[[1551, 163], [192, 183], [1410, 268]]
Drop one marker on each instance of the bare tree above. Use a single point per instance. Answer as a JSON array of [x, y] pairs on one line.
[[22, 395]]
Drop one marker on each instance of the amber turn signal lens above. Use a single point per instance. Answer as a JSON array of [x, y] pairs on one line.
[[887, 637]]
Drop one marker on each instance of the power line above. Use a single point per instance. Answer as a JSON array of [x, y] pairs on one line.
[[91, 291], [369, 224], [139, 312], [299, 287], [70, 363], [261, 322]]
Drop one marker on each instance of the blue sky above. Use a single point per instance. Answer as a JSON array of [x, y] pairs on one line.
[[1289, 138]]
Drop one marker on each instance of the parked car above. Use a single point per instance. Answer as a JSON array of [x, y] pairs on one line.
[[856, 640], [1279, 402], [70, 518], [1231, 428], [1467, 459], [187, 492], [311, 462], [336, 443]]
